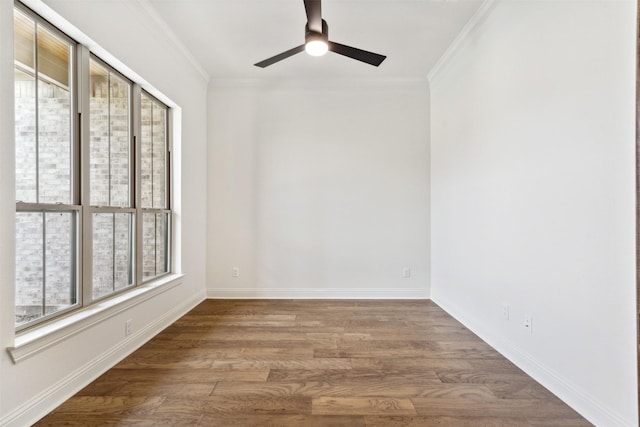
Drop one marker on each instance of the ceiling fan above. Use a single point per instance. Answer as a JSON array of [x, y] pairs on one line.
[[317, 41]]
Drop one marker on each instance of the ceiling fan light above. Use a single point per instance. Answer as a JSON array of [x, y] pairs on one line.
[[316, 47]]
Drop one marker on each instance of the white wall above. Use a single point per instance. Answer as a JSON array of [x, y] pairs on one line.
[[318, 189], [533, 192], [7, 193], [125, 31]]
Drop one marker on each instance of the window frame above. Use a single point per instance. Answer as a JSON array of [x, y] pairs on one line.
[[86, 107], [145, 210], [74, 169], [84, 60], [79, 93], [76, 271]]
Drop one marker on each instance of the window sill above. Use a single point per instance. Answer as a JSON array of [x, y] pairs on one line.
[[35, 340]]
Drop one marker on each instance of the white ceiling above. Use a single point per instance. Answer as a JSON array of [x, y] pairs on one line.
[[228, 36]]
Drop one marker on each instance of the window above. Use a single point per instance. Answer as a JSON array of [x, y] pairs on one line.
[[47, 207], [110, 170], [154, 187], [93, 211]]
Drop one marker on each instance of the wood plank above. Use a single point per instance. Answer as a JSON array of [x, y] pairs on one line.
[[216, 319], [361, 406], [491, 408], [388, 388], [559, 422], [231, 344], [159, 388], [204, 352], [421, 421], [232, 334], [312, 388], [114, 405], [350, 375], [101, 420], [178, 406], [495, 365], [382, 352], [410, 363], [482, 377], [115, 380], [319, 363], [243, 420], [185, 375], [520, 390]]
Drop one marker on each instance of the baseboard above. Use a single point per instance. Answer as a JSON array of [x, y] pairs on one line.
[[51, 397], [586, 405], [305, 293]]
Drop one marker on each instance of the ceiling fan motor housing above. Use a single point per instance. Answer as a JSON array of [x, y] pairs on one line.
[[316, 35], [310, 35]]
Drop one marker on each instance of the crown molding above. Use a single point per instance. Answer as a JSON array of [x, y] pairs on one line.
[[476, 20], [172, 38]]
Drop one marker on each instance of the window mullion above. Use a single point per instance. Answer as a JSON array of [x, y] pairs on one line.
[[137, 178], [44, 263], [169, 194], [110, 134], [113, 252], [86, 238], [76, 127], [36, 97]]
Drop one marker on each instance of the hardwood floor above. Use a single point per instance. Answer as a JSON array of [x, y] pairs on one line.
[[315, 363]]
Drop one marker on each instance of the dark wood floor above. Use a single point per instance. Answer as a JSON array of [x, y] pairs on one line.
[[315, 363]]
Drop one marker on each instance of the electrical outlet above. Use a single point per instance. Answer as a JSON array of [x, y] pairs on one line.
[[406, 273], [127, 328], [235, 272], [528, 323], [505, 311]]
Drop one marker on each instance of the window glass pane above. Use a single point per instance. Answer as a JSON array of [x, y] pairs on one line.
[[54, 144], [155, 239], [146, 151], [162, 237], [29, 266], [109, 138], [112, 252], [25, 107], [45, 263], [25, 137], [102, 254], [148, 245], [123, 250], [24, 39], [153, 153], [120, 141], [53, 58], [54, 119], [42, 114], [60, 289], [159, 156], [99, 135]]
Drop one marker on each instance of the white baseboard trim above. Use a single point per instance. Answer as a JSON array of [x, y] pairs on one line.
[[301, 293], [583, 403], [51, 397]]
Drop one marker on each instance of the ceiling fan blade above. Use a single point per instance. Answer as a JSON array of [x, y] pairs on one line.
[[280, 57], [314, 15], [358, 54]]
